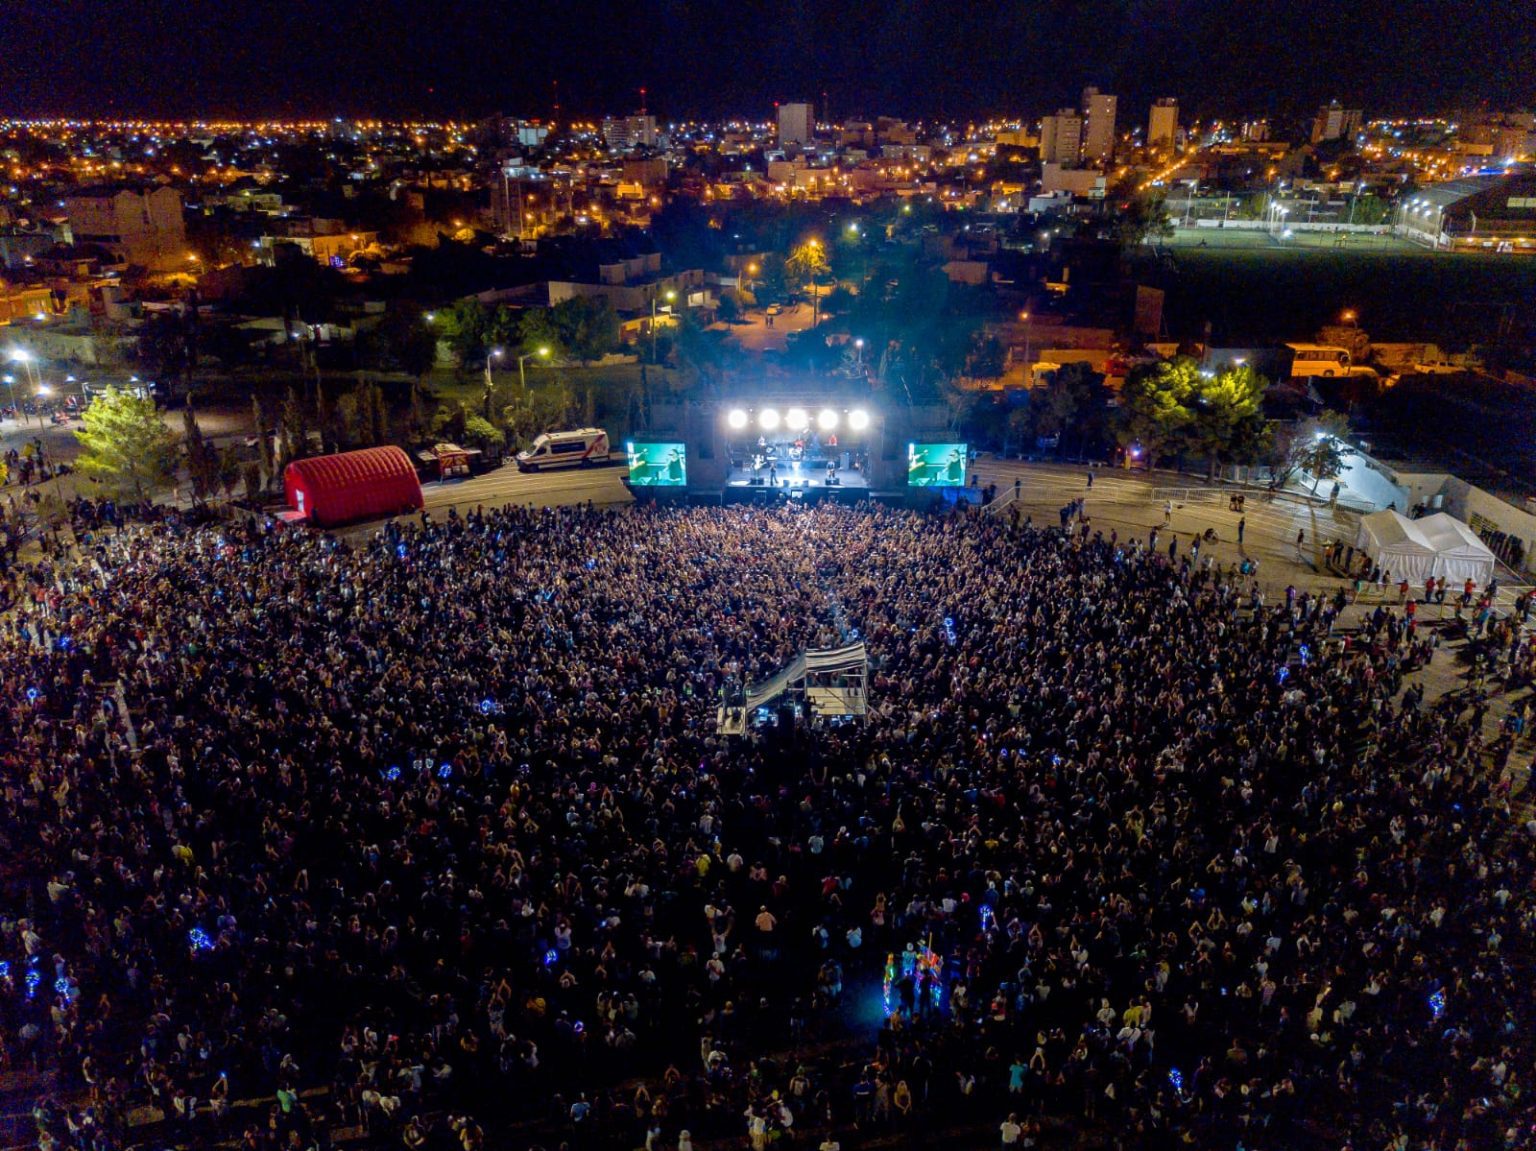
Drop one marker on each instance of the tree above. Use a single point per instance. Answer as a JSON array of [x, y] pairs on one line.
[[267, 460], [294, 425], [411, 342], [467, 328], [967, 410], [548, 406], [1319, 447], [1142, 217], [125, 445], [807, 264], [202, 458], [1073, 399], [1055, 409], [448, 423], [587, 326], [1353, 338], [230, 467], [839, 302], [1369, 209], [1154, 405], [986, 357], [729, 311], [481, 433], [1090, 418], [771, 283], [1017, 428], [536, 329], [378, 413], [1253, 208], [251, 475], [354, 424], [701, 350], [1226, 411], [166, 347]]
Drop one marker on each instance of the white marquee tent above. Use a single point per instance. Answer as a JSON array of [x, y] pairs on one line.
[[1459, 554], [1439, 545]]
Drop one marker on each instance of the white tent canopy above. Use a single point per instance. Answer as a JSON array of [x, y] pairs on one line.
[[1460, 555], [1396, 543], [1440, 546]]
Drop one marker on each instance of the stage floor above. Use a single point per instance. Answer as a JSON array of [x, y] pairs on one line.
[[789, 478]]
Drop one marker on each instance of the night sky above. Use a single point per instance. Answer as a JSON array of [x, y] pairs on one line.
[[713, 57]]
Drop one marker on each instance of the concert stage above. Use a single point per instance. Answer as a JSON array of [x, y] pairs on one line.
[[823, 441], [795, 476]]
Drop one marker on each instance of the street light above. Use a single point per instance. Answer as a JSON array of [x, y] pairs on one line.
[[490, 385], [1349, 317], [10, 382], [1024, 317], [522, 378], [671, 295], [28, 360]]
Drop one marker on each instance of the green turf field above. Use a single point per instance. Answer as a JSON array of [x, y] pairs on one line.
[[1253, 289], [1303, 243]]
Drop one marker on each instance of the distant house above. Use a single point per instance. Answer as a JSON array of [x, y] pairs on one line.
[[143, 225]]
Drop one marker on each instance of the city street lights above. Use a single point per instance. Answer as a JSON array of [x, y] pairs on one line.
[[1024, 317], [10, 382], [671, 295], [858, 347], [490, 385], [27, 360], [522, 377], [1348, 317], [815, 294]]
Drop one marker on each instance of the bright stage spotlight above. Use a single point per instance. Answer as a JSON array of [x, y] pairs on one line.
[[827, 420], [858, 419], [768, 419], [737, 418], [796, 420]]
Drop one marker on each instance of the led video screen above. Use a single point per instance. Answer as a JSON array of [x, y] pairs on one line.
[[936, 465], [661, 465]]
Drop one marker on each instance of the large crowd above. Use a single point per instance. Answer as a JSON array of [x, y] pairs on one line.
[[435, 835]]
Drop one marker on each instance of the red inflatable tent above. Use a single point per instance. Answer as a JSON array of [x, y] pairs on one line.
[[352, 486]]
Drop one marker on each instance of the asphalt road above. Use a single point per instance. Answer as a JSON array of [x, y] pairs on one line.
[[752, 333], [506, 485]]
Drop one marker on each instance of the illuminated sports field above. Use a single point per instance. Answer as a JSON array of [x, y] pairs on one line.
[[1254, 289]]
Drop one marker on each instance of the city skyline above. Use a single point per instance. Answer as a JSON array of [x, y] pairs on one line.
[[711, 60]]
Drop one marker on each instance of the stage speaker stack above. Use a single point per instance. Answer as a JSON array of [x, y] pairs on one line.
[[708, 459]]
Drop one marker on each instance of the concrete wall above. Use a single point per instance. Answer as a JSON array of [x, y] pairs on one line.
[[1293, 225], [1371, 481], [1464, 501], [1423, 487]]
